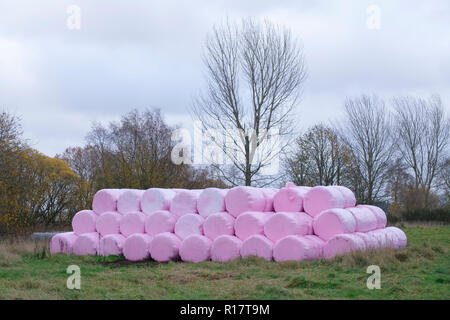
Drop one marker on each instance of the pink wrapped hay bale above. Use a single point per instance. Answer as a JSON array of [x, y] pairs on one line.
[[211, 200], [108, 223], [390, 237], [159, 222], [137, 247], [269, 194], [298, 248], [370, 241], [106, 200], [332, 222], [189, 224], [241, 199], [111, 244], [321, 198], [365, 219], [87, 244], [218, 224], [63, 242], [250, 223], [401, 240], [379, 214], [185, 202], [156, 199], [380, 240], [349, 196], [225, 248], [129, 201], [165, 247], [195, 248], [132, 222], [290, 199], [341, 244], [257, 245], [283, 224], [84, 222]]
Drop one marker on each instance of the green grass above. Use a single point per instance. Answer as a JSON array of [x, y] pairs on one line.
[[421, 271]]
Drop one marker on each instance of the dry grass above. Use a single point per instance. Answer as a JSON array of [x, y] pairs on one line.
[[13, 249]]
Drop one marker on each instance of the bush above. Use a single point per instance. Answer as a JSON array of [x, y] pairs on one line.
[[440, 215]]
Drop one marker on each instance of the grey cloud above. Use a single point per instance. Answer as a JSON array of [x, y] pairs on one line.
[[139, 54]]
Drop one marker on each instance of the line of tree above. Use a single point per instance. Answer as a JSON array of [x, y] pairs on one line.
[[398, 155]]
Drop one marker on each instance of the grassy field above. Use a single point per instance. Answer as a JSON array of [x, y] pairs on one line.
[[421, 271]]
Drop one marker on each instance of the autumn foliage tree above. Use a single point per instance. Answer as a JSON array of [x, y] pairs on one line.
[[34, 189]]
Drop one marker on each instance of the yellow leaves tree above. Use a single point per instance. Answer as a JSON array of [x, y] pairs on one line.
[[34, 189]]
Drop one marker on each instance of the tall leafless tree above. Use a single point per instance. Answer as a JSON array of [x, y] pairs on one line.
[[254, 73], [367, 133], [423, 135]]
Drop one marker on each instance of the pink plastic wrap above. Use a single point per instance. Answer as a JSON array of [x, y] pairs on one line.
[[211, 200], [129, 201], [86, 244], [341, 244], [379, 214], [390, 237], [106, 200], [84, 222], [379, 236], [108, 223], [250, 223], [195, 248], [322, 198], [137, 247], [225, 248], [185, 202], [132, 222], [189, 224], [165, 247], [298, 248], [349, 196], [218, 224], [290, 199], [241, 199], [282, 224], [155, 199], [257, 245], [370, 241], [63, 242], [269, 194], [365, 219], [401, 240], [159, 222], [111, 244], [332, 222]]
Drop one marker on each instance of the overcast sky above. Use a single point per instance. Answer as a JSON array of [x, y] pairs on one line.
[[138, 54]]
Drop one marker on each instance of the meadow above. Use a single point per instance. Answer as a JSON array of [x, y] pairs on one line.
[[420, 271]]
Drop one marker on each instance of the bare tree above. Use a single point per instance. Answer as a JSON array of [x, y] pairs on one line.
[[423, 135], [254, 75], [367, 133]]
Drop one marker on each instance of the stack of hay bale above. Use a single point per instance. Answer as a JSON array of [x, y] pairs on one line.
[[292, 223]]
